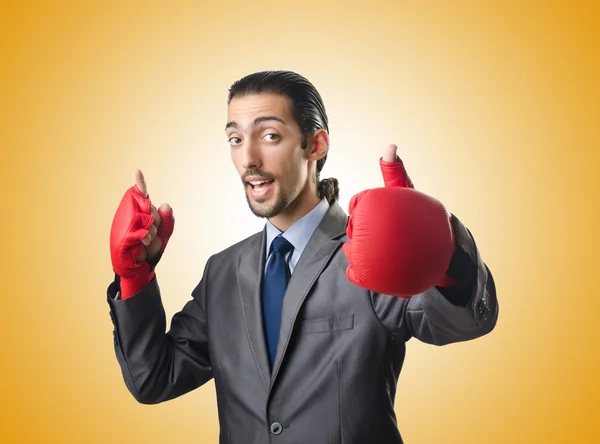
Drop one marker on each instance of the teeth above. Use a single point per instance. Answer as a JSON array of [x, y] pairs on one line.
[[257, 182]]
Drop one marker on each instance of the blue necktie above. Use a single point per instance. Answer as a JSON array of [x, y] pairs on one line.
[[275, 283]]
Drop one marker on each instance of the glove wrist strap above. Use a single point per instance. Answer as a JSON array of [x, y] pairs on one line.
[[130, 287]]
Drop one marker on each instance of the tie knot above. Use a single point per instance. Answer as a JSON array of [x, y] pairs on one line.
[[281, 245]]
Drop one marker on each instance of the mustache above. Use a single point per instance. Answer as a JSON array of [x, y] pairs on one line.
[[257, 172]]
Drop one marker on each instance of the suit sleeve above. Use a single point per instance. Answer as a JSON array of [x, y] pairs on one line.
[[461, 314], [159, 366]]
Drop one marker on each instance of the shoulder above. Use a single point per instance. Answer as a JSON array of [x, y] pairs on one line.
[[225, 256]]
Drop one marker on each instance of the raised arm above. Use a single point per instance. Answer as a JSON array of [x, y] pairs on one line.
[[156, 366], [419, 262]]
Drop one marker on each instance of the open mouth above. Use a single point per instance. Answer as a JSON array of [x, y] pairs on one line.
[[260, 184], [260, 190]]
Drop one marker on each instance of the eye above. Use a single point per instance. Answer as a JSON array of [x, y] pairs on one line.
[[232, 140], [275, 136]]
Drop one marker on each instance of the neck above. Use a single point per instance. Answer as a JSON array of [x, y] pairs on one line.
[[297, 209]]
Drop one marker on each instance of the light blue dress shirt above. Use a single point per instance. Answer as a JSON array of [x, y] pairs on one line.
[[298, 234]]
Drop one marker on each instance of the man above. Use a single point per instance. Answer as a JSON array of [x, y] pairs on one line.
[[293, 323]]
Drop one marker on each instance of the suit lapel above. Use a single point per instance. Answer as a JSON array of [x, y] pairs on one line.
[[250, 271], [250, 277], [324, 242]]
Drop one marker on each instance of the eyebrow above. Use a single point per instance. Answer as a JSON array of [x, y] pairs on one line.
[[257, 121]]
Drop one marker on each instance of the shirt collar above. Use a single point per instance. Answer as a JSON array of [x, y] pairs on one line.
[[301, 231]]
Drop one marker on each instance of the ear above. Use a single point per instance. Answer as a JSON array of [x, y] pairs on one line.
[[319, 146]]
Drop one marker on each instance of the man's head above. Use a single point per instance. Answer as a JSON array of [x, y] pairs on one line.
[[277, 130]]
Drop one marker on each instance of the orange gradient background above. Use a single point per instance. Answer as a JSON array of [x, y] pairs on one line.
[[495, 107]]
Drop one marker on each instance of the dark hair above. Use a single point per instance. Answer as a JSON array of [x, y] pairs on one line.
[[307, 109]]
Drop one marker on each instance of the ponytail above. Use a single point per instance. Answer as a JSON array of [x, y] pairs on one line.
[[329, 189]]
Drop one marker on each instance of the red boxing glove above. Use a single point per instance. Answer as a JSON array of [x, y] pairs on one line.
[[131, 224], [401, 239]]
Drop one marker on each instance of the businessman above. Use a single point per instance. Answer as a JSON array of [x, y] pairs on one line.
[[303, 326]]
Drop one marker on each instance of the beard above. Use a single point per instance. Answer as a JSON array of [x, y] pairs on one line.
[[281, 203], [281, 200]]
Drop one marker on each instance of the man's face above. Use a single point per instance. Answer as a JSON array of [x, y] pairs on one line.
[[266, 150]]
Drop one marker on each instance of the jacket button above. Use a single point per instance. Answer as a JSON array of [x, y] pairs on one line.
[[276, 428]]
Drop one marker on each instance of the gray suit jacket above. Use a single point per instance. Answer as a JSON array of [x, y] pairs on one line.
[[340, 350]]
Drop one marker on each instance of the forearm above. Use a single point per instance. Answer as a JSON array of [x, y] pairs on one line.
[[460, 314], [433, 319], [156, 366]]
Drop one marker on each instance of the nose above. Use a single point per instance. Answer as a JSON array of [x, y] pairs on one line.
[[250, 155]]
